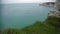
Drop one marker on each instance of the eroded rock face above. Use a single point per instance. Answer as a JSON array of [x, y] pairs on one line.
[[54, 13], [57, 4], [49, 4]]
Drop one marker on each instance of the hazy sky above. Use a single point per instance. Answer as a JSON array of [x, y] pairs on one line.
[[25, 1]]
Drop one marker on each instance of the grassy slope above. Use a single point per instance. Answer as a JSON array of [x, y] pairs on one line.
[[46, 27]]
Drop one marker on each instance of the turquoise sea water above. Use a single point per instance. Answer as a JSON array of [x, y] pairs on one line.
[[22, 15]]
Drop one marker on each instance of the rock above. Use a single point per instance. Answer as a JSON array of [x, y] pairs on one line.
[[50, 4], [54, 13]]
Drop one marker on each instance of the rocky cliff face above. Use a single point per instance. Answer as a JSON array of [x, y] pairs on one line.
[[54, 13], [50, 4]]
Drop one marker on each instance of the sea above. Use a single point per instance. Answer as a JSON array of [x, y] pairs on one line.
[[20, 15]]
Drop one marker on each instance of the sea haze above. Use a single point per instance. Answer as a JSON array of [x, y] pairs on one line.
[[23, 14]]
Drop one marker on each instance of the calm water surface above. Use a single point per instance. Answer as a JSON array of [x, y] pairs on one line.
[[22, 15]]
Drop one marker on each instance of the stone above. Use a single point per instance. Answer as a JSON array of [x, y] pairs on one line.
[[54, 13]]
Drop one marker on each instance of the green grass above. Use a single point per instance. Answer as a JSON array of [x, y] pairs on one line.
[[46, 27]]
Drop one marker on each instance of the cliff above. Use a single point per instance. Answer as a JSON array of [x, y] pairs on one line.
[[49, 4]]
